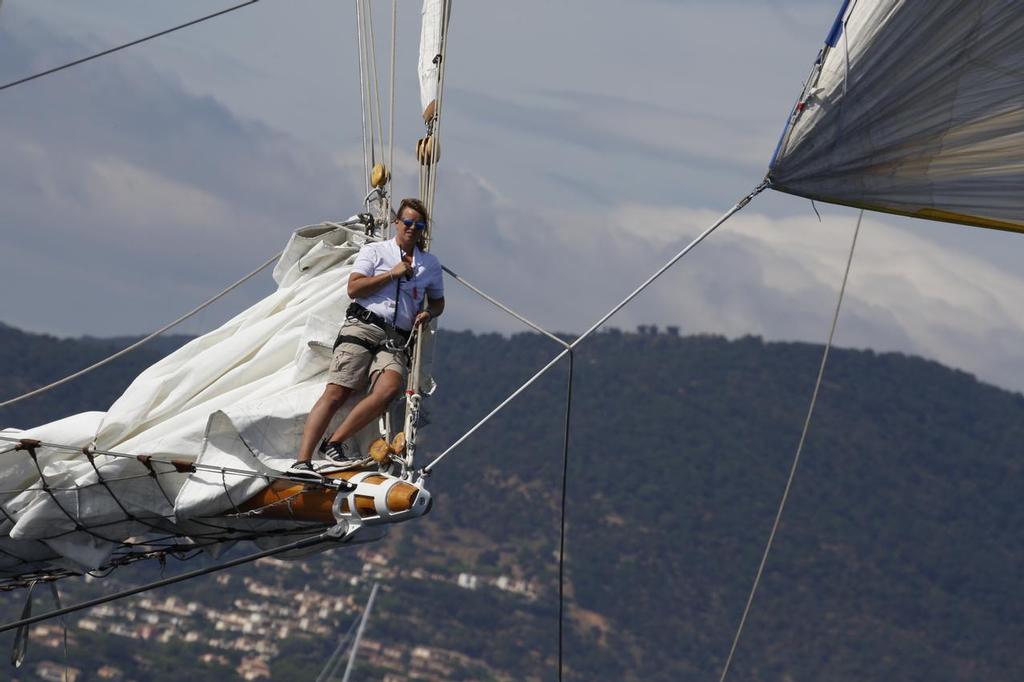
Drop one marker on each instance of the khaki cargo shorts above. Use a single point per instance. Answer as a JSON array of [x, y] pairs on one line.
[[353, 365]]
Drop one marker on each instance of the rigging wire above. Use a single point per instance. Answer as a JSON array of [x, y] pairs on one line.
[[391, 112], [126, 45], [561, 532], [446, 9], [498, 304], [334, 660], [376, 149], [359, 633], [636, 292], [428, 159], [432, 142], [142, 341], [362, 90], [569, 348], [796, 456], [375, 80]]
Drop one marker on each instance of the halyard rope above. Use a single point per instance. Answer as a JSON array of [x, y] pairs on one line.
[[391, 112], [796, 456], [362, 90]]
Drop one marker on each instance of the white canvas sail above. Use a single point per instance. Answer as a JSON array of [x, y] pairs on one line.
[[915, 108], [236, 397], [434, 14]]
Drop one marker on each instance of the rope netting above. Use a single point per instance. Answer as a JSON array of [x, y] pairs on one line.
[[83, 511]]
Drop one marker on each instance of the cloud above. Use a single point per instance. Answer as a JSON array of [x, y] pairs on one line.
[[624, 128], [160, 196], [777, 276], [571, 171]]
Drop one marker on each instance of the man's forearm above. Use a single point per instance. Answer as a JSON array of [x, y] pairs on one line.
[[360, 286], [435, 307]]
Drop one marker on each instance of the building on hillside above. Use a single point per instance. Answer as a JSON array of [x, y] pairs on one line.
[[57, 672], [253, 669]]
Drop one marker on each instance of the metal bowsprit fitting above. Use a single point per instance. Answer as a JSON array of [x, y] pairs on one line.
[[367, 498]]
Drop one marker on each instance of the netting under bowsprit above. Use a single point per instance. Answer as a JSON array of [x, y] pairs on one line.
[[66, 513], [216, 419], [194, 454]]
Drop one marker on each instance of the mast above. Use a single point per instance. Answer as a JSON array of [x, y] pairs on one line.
[[431, 67], [359, 633], [433, 42]]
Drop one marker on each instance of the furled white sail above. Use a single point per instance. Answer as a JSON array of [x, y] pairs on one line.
[[236, 397], [434, 15], [914, 108]]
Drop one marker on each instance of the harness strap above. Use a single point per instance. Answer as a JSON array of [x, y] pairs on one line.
[[358, 312], [346, 338]]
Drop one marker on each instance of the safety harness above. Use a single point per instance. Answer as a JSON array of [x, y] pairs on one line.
[[358, 312]]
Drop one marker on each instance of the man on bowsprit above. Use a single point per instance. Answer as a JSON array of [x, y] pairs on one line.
[[388, 283]]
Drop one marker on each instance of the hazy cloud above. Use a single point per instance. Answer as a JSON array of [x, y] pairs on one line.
[[580, 153]]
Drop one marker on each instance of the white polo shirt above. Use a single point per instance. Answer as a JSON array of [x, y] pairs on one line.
[[377, 258]]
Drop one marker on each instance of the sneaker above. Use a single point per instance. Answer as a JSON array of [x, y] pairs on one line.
[[337, 452], [304, 470]]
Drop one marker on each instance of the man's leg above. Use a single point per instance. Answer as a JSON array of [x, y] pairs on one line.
[[333, 398], [384, 390]]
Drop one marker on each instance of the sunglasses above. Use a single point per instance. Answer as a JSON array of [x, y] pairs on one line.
[[418, 224]]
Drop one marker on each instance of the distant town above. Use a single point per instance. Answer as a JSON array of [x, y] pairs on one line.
[[248, 635]]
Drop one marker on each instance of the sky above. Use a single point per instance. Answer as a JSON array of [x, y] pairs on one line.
[[585, 142]]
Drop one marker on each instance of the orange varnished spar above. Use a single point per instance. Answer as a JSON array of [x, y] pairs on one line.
[[294, 501]]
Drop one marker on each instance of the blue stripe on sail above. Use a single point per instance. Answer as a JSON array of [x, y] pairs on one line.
[[778, 145], [837, 27], [831, 41]]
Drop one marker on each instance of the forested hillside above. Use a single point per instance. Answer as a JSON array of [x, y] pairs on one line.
[[898, 557]]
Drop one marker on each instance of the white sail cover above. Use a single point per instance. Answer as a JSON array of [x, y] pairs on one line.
[[434, 13], [236, 397], [914, 108]]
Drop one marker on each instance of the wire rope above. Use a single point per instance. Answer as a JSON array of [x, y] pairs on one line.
[[796, 457], [126, 45], [435, 145], [375, 80], [391, 112], [501, 306], [144, 340], [636, 292], [359, 634], [362, 89], [561, 532], [334, 660]]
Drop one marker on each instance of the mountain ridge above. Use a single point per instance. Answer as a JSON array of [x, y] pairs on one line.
[[895, 558]]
